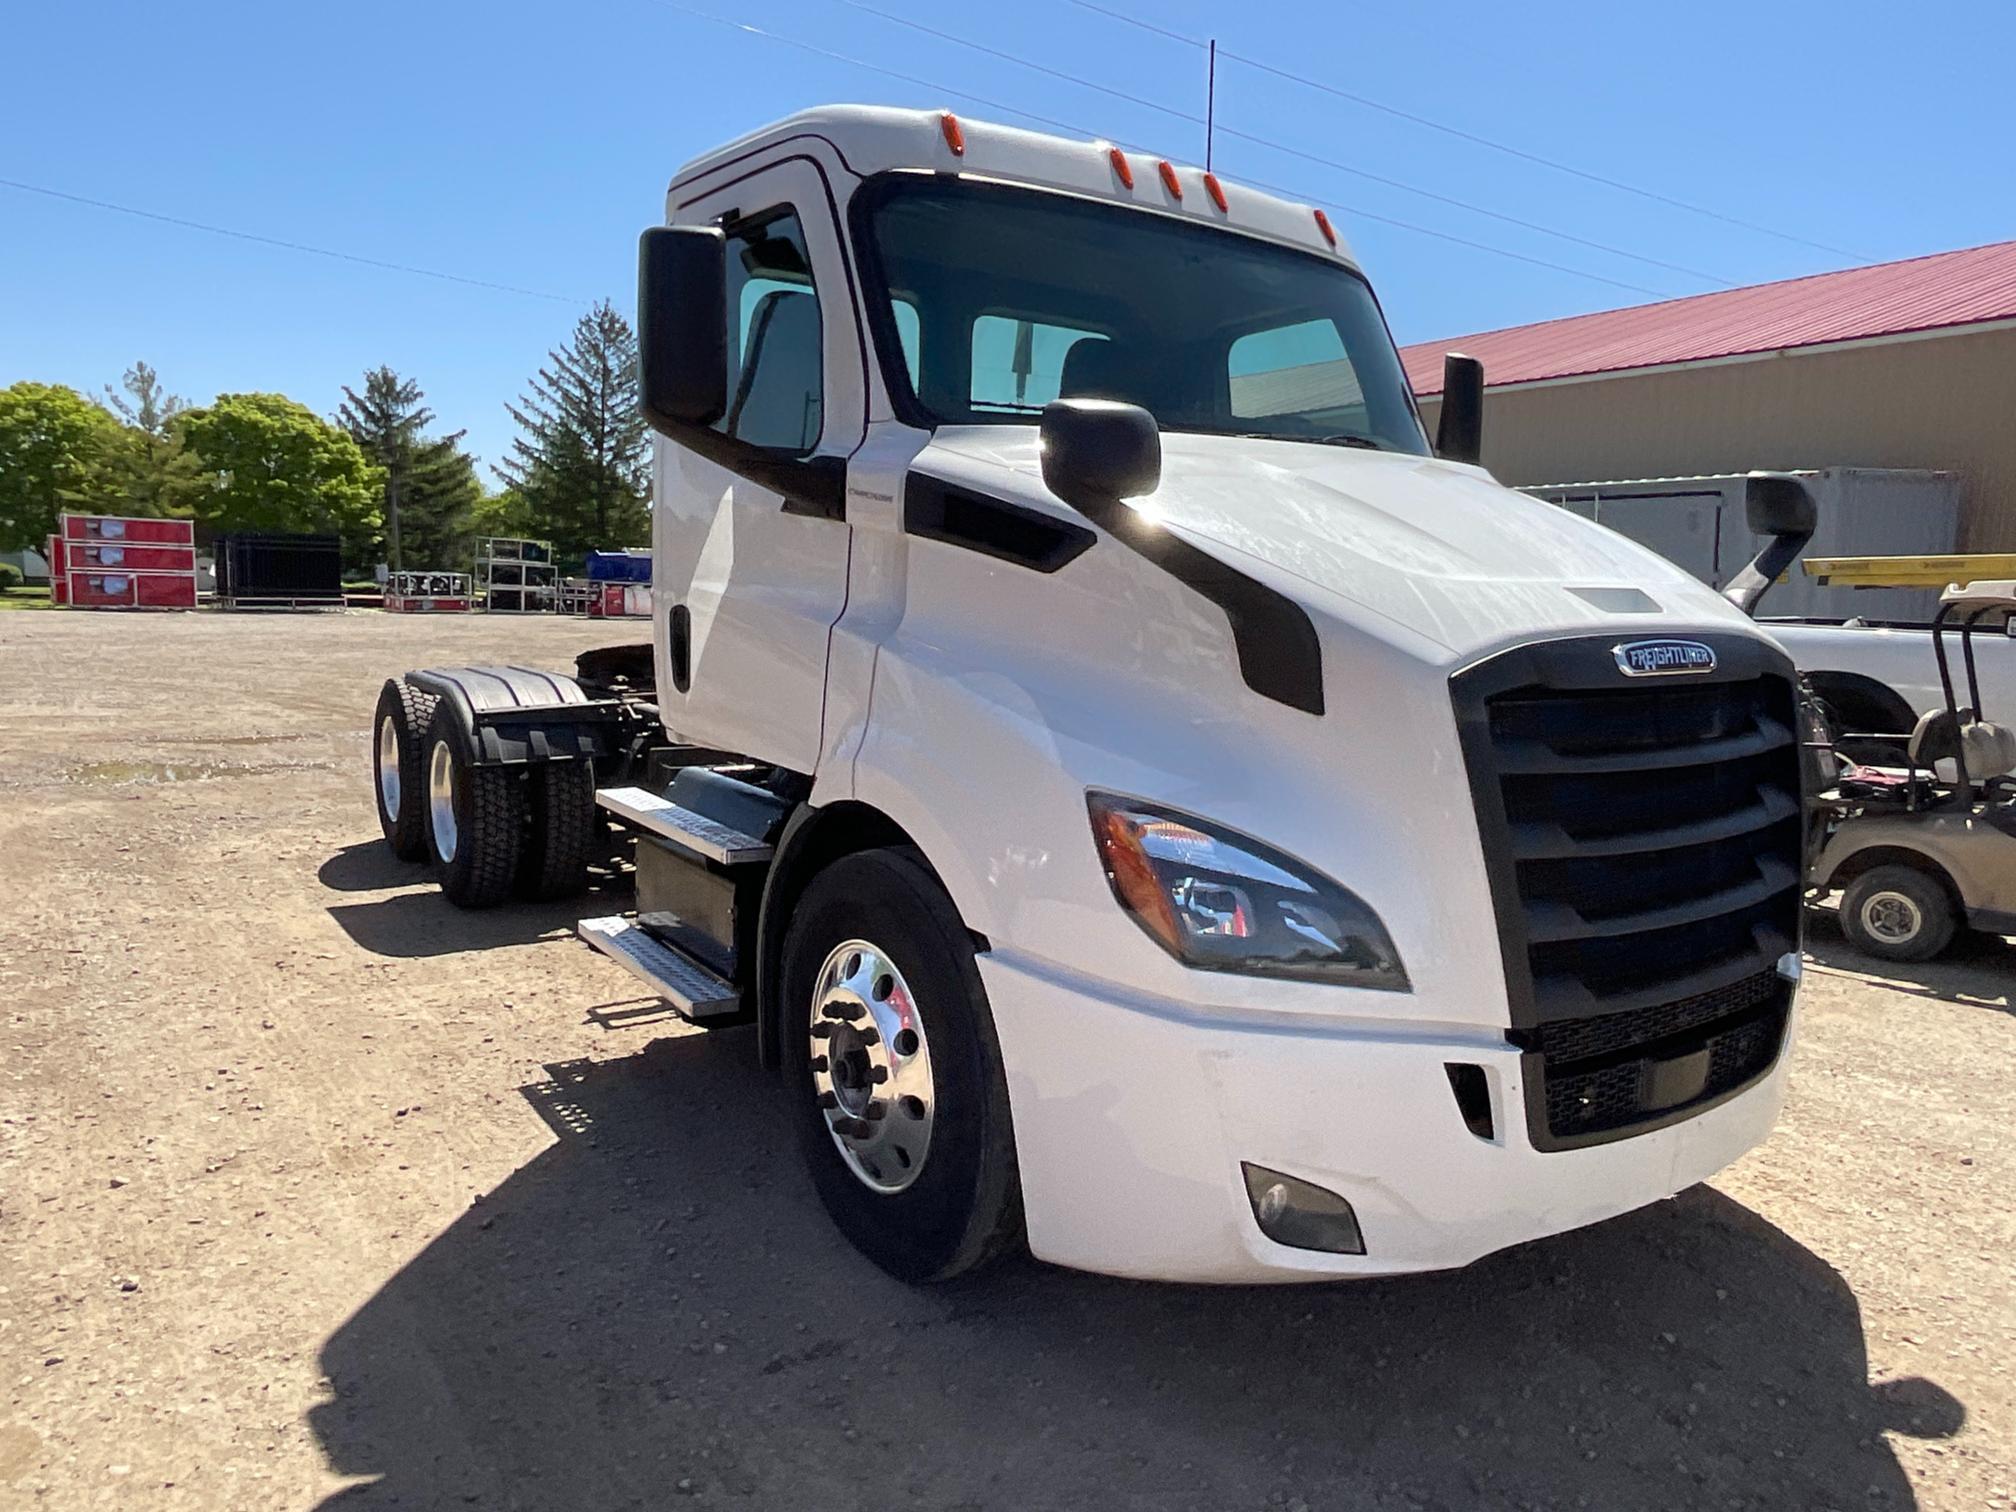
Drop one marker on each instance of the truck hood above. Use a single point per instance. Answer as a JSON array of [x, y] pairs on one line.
[[1436, 547]]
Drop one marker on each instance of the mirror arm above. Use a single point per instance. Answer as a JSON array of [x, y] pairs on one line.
[[1762, 570]]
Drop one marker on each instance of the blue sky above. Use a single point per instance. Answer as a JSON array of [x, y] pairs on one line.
[[527, 143]]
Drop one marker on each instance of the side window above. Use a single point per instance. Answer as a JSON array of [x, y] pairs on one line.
[[1021, 365], [776, 356], [907, 336], [1300, 372]]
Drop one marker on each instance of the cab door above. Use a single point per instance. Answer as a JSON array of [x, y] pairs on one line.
[[755, 576]]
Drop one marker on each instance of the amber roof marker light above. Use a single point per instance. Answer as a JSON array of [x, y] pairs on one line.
[[1169, 179], [1329, 231], [1217, 192], [1122, 169], [955, 136]]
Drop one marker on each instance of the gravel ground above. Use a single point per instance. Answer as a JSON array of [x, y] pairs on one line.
[[315, 1192]]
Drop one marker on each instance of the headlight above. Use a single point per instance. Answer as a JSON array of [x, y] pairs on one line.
[[1221, 901]]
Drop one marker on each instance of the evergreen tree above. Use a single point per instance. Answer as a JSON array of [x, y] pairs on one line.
[[431, 489], [152, 472], [581, 462]]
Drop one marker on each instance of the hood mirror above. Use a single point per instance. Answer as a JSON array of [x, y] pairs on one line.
[[1780, 506], [1099, 451]]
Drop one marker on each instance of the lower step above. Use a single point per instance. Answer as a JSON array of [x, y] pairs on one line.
[[682, 981]]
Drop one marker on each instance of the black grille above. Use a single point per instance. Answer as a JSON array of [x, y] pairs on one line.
[[1644, 848], [1605, 1099], [1588, 1039]]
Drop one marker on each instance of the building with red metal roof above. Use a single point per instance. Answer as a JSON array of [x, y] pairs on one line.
[[1906, 364]]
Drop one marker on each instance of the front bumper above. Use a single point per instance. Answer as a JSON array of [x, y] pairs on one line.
[[1133, 1114]]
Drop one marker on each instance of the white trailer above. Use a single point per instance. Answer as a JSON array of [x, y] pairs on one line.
[[1149, 805]]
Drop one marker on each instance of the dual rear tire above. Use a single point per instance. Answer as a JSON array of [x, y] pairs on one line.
[[490, 832]]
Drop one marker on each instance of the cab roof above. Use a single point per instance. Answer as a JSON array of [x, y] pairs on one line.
[[871, 139]]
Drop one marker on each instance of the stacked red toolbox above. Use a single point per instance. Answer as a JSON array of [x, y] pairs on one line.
[[107, 562]]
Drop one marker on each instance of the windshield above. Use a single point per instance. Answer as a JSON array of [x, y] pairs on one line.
[[1000, 299]]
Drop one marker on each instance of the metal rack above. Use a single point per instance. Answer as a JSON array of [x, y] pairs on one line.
[[516, 576]]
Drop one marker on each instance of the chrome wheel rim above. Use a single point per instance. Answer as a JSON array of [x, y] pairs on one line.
[[871, 1066], [388, 768], [1891, 917], [441, 800]]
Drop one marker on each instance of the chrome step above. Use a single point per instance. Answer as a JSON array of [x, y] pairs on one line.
[[696, 832], [675, 976]]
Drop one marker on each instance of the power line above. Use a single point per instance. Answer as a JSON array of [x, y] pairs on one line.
[[1472, 137], [1297, 152], [291, 246], [1086, 131]]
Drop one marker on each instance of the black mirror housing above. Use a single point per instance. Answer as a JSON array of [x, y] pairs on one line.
[[1779, 504], [1780, 507], [1099, 450], [1459, 431], [682, 327]]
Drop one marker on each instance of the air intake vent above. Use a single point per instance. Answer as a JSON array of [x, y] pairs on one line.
[[1644, 848]]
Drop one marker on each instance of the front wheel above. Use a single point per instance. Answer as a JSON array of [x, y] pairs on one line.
[[1898, 914], [891, 1058]]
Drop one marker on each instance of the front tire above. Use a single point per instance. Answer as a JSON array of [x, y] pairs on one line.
[[892, 1064], [1898, 914], [398, 767], [475, 817]]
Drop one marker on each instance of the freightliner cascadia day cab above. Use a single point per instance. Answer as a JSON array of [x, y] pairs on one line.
[[1149, 804]]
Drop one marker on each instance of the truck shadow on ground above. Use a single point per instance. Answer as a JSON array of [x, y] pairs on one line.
[[1976, 969], [655, 1312], [420, 922]]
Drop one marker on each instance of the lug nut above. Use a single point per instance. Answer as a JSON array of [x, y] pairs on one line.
[[878, 1074], [856, 1128], [819, 1063], [870, 1037], [875, 1112], [828, 1100], [821, 1031], [846, 1011]]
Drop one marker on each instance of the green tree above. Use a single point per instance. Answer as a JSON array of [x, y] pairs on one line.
[[581, 461], [269, 463], [504, 513], [430, 483], [57, 451], [153, 471]]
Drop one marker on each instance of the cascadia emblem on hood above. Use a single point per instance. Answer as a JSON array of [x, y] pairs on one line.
[[1663, 658]]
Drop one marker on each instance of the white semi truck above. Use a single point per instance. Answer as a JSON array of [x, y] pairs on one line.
[[1148, 803]]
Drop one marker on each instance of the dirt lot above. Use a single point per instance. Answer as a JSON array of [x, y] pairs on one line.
[[314, 1192]]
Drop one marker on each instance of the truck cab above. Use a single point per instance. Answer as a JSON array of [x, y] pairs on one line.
[[1152, 805]]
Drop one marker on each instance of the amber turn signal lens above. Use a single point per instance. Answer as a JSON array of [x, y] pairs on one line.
[[1133, 878]]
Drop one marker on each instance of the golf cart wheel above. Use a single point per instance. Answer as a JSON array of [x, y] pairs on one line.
[[399, 769], [562, 829], [891, 1060], [475, 817], [1897, 913]]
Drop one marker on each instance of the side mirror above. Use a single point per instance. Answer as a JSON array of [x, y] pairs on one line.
[[1780, 506], [1098, 451], [682, 327], [1459, 433]]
